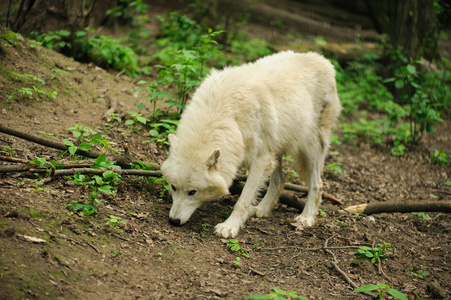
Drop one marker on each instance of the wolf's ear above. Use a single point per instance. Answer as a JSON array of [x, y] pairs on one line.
[[173, 142], [212, 161]]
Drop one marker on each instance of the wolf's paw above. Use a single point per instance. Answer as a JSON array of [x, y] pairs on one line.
[[227, 230], [260, 212], [301, 222]]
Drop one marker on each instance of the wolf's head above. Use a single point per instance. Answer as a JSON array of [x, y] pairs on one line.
[[193, 178]]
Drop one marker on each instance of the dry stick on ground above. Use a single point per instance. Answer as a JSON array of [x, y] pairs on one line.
[[300, 189], [342, 273], [13, 159], [28, 167], [112, 109], [401, 207], [123, 161]]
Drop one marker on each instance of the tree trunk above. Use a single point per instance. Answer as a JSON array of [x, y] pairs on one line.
[[411, 24]]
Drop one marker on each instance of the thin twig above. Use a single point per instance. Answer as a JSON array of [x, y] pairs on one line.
[[257, 272], [381, 271], [342, 273], [12, 159], [322, 248]]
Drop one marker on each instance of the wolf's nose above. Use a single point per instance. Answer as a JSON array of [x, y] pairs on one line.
[[175, 222]]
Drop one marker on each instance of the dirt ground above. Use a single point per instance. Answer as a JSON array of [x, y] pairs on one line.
[[82, 257]]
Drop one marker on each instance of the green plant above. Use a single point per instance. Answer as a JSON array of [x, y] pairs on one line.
[[421, 215], [160, 131], [278, 294], [237, 261], [12, 38], [47, 135], [105, 183], [86, 139], [184, 53], [381, 289], [418, 94], [342, 223], [420, 273], [32, 90], [375, 253], [115, 222], [234, 246], [440, 158], [9, 149], [334, 168], [81, 133], [55, 40], [136, 119]]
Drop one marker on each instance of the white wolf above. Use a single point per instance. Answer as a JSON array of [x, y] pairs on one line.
[[252, 115]]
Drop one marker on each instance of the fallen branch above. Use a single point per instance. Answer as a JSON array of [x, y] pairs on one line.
[[12, 159], [92, 171], [29, 167], [299, 189], [401, 207], [123, 161]]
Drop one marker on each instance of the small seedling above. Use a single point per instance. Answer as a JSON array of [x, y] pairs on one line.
[[9, 149], [342, 223], [234, 246], [278, 294], [237, 261], [374, 253], [381, 289], [421, 215], [335, 168], [114, 222], [322, 212], [136, 119], [440, 158], [420, 273]]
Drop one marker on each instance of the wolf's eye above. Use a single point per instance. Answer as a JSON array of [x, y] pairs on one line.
[[192, 192], [173, 187]]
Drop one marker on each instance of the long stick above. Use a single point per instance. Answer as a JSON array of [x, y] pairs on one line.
[[122, 160]]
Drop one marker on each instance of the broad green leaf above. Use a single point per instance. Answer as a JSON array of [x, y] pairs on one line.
[[68, 143], [84, 146], [257, 297], [96, 139], [154, 132], [72, 150], [411, 69], [64, 33], [366, 288], [397, 294], [399, 84]]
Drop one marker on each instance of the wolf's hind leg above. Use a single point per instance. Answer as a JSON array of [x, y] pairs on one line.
[[268, 202], [314, 160]]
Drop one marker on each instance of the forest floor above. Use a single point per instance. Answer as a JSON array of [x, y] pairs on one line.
[[79, 257]]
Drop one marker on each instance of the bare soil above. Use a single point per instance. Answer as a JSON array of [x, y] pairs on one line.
[[83, 258]]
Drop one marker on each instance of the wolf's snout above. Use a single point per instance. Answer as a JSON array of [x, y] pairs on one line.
[[175, 222]]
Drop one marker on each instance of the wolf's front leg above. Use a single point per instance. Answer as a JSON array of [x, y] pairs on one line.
[[243, 208]]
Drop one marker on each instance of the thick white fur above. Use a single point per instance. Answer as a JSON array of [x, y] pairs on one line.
[[252, 115]]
